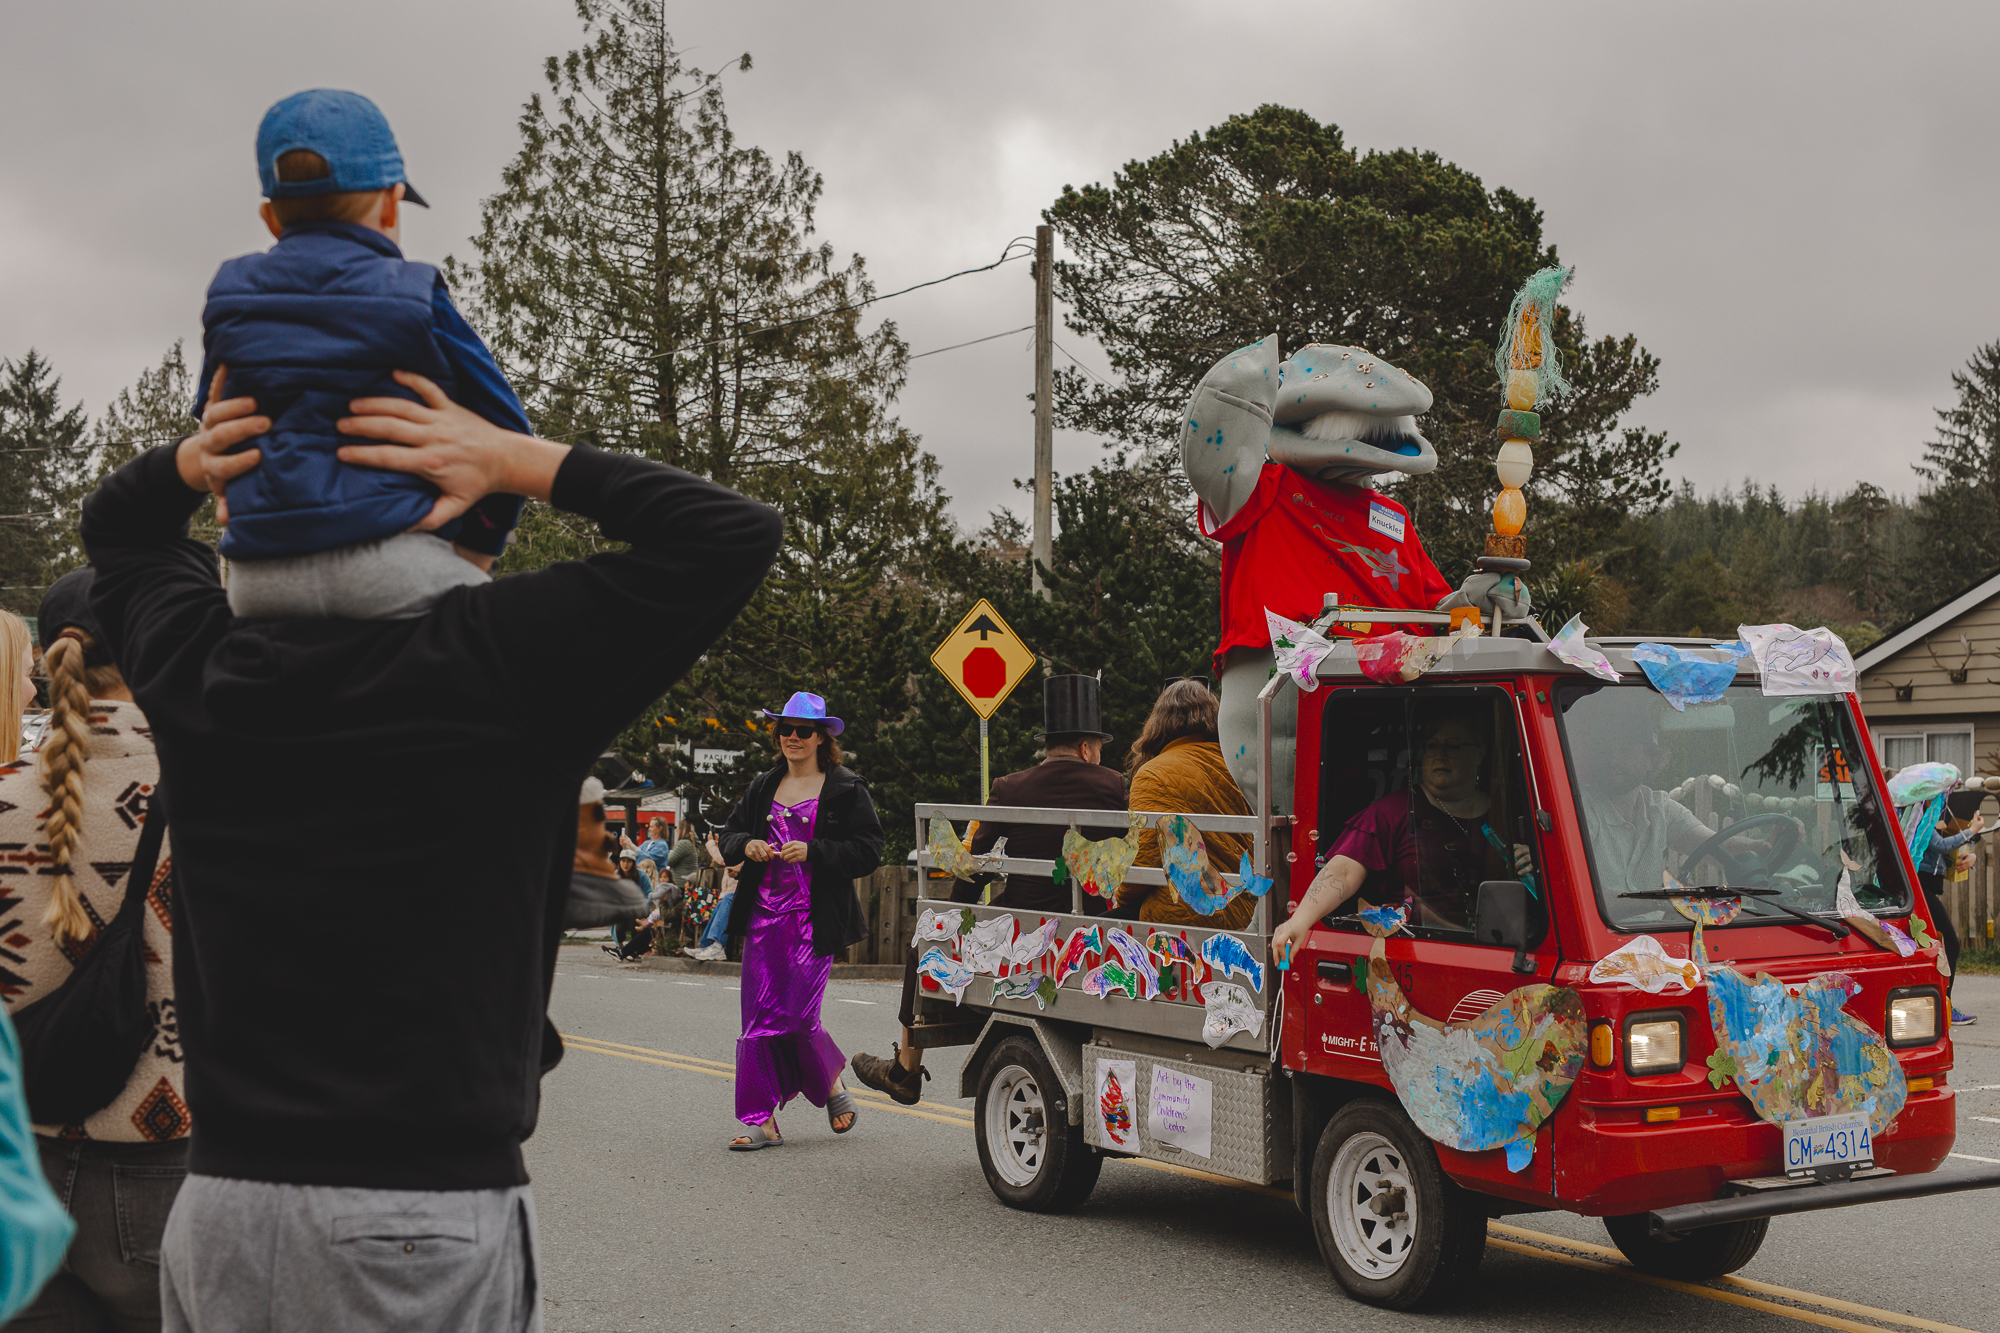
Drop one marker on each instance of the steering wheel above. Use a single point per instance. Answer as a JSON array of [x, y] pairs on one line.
[[1747, 868]]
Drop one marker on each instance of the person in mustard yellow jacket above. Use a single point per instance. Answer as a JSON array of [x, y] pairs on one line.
[[1176, 765]]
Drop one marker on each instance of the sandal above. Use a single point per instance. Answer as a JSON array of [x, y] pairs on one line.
[[838, 1105], [755, 1140]]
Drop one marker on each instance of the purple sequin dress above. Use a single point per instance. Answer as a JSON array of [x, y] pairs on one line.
[[783, 1050]]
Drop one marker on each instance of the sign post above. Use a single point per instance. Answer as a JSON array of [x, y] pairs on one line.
[[984, 660]]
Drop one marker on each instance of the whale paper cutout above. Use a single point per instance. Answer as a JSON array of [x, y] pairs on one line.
[[1042, 990], [1029, 948], [1644, 964], [1226, 954], [1228, 1009], [1100, 865], [1802, 1055], [1135, 957], [947, 972]]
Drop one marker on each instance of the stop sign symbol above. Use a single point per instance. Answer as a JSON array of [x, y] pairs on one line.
[[984, 673]]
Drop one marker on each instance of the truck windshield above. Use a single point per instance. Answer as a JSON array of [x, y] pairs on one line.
[[1750, 793]]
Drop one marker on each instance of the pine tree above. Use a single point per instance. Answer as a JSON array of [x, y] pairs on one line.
[[41, 455], [1960, 510]]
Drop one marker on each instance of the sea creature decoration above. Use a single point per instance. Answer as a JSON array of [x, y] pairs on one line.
[[1382, 922], [1644, 964], [1569, 645], [947, 972], [1798, 1053], [934, 927], [1082, 940], [1168, 950], [1100, 865], [1026, 986], [1865, 923], [1134, 954], [989, 946], [948, 853], [1683, 677], [1228, 1010], [1192, 878], [1110, 976], [1488, 1082], [1029, 948], [1114, 1107], [1226, 954], [1298, 648], [1396, 658], [1793, 661], [1701, 911]]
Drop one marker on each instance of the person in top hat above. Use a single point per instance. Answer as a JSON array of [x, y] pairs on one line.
[[1071, 776]]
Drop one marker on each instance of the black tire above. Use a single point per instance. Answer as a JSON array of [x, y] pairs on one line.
[[1694, 1256], [1401, 1262], [1034, 1159]]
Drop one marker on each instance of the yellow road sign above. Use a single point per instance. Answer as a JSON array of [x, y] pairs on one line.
[[983, 658]]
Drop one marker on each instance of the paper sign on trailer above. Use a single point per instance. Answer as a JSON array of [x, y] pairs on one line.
[[1181, 1110]]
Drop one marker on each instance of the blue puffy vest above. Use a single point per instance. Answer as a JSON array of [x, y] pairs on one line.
[[320, 319]]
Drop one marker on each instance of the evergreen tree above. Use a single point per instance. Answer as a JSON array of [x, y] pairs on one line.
[[1960, 509], [41, 454]]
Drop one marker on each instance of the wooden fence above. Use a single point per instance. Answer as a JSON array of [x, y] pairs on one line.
[[1974, 902], [889, 898]]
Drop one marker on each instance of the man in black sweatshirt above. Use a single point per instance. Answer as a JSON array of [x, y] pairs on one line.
[[360, 1096]]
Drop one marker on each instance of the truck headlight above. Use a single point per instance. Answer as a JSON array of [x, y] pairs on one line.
[[1913, 1016], [1655, 1042]]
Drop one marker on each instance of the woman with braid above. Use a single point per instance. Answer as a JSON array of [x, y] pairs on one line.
[[76, 808]]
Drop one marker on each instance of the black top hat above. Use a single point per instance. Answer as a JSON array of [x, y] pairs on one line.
[[1069, 709]]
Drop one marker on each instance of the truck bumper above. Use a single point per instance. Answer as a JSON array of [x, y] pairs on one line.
[[1811, 1198]]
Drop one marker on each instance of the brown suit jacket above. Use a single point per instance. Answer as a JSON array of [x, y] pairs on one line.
[[1058, 783]]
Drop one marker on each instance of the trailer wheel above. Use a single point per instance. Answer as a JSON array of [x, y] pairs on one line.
[[1034, 1159], [1393, 1229], [1706, 1253]]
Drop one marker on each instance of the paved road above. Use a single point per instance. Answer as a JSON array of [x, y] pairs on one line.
[[647, 1223]]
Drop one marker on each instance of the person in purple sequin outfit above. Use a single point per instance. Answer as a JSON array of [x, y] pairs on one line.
[[807, 829]]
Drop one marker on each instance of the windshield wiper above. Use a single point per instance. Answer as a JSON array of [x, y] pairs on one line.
[[1700, 891], [1841, 930]]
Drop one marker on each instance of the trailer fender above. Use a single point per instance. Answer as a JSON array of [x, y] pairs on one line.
[[1064, 1052]]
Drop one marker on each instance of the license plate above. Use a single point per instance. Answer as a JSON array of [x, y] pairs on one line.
[[1829, 1140]]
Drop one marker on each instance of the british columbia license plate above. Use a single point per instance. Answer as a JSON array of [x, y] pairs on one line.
[[1828, 1140]]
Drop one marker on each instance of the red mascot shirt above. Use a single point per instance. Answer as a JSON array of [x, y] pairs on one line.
[[1298, 539]]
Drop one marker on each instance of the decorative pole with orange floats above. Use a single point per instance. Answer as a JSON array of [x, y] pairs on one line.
[[1531, 376]]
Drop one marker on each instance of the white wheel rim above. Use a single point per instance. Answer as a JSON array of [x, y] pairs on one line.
[[1373, 1224], [1016, 1126]]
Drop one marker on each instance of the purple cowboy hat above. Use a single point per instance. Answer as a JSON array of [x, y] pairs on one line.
[[806, 707]]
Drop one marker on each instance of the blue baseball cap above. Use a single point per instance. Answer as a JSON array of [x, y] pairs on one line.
[[346, 129]]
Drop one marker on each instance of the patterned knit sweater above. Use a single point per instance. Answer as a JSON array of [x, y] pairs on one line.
[[118, 783]]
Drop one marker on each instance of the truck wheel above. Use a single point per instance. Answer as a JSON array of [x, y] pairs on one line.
[[1709, 1252], [1033, 1157], [1392, 1227]]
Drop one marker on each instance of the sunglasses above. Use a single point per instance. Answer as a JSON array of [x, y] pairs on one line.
[[796, 729]]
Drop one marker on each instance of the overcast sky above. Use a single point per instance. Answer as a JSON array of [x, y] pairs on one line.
[[1791, 205]]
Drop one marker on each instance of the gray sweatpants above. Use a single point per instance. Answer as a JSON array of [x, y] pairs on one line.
[[243, 1256]]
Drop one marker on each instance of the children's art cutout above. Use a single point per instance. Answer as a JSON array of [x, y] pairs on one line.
[[1115, 1080], [1644, 964], [1397, 658], [1112, 976], [1682, 678], [1485, 1083], [1030, 948], [1793, 661], [1382, 922], [948, 853], [1877, 932], [1100, 865], [1192, 878], [1169, 950], [1799, 1054], [988, 946], [1298, 648], [949, 973], [1081, 941], [1227, 954], [1703, 912], [1228, 1009], [1569, 646], [1027, 986], [935, 927], [1134, 956]]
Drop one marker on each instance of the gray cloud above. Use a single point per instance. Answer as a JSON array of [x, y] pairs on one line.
[[1789, 204]]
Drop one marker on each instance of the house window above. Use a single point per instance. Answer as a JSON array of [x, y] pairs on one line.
[[1942, 745]]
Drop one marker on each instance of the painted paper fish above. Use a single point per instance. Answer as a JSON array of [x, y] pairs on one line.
[[1116, 1111], [1299, 649], [947, 972], [948, 853], [1866, 923], [1127, 947], [1228, 1010], [1643, 963], [1226, 954], [1100, 865], [935, 927], [1382, 922], [1801, 1055], [1488, 1082], [1042, 990], [1167, 950], [1109, 976], [1184, 856], [1081, 940], [988, 946], [1029, 948]]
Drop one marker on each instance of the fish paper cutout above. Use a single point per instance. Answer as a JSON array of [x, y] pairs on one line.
[[1682, 678], [1169, 950], [1111, 976], [1030, 948], [1801, 1055], [1382, 922], [1569, 646], [1042, 990], [1701, 911], [1190, 875], [1082, 940], [948, 853], [1489, 1082], [989, 946], [1793, 661], [1864, 922], [1100, 864], [1644, 964], [1134, 954], [1298, 648], [1397, 658], [1229, 1010], [947, 972], [1226, 954], [935, 927]]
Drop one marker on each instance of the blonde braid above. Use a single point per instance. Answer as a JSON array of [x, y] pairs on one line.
[[64, 750]]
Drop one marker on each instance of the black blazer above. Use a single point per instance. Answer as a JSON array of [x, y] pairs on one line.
[[846, 844]]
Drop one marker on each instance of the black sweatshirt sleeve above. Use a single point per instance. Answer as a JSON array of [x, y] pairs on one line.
[[743, 822], [859, 853], [157, 595]]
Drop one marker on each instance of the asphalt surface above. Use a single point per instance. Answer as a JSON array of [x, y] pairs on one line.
[[648, 1223]]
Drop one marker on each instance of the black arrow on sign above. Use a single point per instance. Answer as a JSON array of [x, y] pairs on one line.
[[985, 626]]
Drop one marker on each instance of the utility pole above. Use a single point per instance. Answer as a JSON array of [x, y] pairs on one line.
[[1043, 549]]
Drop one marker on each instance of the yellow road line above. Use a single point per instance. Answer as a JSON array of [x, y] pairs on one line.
[[627, 1046]]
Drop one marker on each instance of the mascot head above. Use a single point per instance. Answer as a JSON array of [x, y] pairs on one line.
[[1352, 414]]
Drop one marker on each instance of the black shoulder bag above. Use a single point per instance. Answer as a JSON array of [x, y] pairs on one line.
[[80, 1042]]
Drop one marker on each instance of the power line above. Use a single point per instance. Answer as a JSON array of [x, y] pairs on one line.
[[1082, 367], [1025, 328]]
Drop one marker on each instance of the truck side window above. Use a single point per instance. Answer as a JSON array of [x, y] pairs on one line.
[[1425, 791]]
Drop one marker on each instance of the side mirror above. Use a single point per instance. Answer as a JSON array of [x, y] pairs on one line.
[[1502, 919]]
